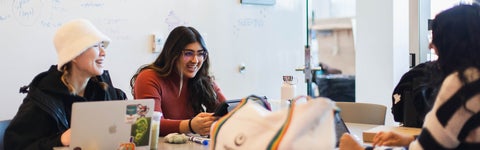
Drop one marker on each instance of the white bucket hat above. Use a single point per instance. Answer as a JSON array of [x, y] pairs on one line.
[[74, 37]]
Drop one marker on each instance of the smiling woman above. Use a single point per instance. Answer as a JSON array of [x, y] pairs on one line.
[[180, 83], [192, 59], [91, 60], [43, 119]]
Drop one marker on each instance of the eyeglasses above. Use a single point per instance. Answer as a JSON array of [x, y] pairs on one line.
[[189, 54], [99, 45]]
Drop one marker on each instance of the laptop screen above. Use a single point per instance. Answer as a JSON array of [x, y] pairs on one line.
[[340, 127]]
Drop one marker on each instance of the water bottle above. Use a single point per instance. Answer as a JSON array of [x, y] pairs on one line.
[[288, 91], [155, 130]]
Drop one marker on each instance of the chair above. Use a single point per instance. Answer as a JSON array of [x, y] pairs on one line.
[[365, 113], [339, 88], [3, 126]]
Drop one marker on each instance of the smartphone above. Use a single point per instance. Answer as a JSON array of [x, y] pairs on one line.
[[221, 110]]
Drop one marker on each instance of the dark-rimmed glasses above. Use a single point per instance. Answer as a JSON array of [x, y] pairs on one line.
[[189, 54]]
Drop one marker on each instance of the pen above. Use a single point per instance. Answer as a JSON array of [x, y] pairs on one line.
[[199, 140], [204, 108]]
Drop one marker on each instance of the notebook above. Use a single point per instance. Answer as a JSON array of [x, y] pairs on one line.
[[369, 134], [108, 124]]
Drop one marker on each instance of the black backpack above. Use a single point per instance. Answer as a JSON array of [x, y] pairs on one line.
[[415, 94]]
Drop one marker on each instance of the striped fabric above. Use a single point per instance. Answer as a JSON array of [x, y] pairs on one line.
[[281, 133], [454, 121], [224, 119]]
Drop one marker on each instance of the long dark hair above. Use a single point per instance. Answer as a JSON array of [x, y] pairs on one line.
[[456, 35], [200, 87]]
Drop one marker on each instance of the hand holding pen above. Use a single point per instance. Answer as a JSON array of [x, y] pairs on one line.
[[201, 123]]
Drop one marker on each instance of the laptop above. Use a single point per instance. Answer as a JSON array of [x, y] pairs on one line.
[[110, 124], [340, 127]]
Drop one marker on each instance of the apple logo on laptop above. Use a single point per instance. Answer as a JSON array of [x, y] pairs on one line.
[[112, 129]]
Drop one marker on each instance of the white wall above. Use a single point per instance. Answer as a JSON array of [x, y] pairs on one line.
[[269, 40], [326, 9], [401, 39], [381, 50]]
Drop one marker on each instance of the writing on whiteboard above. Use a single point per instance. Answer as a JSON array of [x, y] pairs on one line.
[[92, 4], [173, 21], [54, 14], [250, 22], [4, 18], [113, 29], [50, 24], [4, 14], [27, 12], [254, 21]]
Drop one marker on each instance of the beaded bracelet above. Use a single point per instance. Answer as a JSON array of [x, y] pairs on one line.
[[190, 126]]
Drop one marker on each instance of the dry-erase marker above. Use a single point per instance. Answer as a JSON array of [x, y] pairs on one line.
[[199, 140]]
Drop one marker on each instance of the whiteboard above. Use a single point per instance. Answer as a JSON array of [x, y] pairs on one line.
[[267, 39]]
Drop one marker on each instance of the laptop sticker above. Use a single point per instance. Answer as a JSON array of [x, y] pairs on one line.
[[137, 115]]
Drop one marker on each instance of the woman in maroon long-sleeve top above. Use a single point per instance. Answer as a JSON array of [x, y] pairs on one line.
[[179, 82]]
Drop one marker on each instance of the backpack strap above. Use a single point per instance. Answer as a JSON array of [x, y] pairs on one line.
[[277, 139], [216, 128]]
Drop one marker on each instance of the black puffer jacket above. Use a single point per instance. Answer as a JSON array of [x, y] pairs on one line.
[[45, 112]]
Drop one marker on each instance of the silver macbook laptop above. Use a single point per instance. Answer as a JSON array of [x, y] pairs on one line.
[[105, 125]]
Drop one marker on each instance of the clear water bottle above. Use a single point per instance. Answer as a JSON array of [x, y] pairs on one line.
[[288, 91], [155, 130]]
